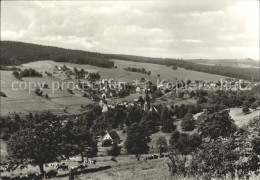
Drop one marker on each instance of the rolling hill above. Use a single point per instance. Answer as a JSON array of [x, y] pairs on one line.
[[239, 63], [16, 53], [24, 100], [234, 72]]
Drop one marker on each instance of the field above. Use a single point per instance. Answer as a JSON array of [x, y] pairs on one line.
[[25, 101], [242, 119], [126, 167], [240, 63], [120, 74]]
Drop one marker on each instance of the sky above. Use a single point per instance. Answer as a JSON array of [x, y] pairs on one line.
[[187, 29]]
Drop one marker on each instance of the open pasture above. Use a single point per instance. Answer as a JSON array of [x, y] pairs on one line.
[[120, 74], [21, 99]]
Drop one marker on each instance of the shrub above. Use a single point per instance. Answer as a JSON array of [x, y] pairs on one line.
[[16, 74], [70, 91], [245, 110], [106, 143], [38, 92], [174, 67], [2, 94]]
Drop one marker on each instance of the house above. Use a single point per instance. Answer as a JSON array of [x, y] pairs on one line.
[[113, 136], [138, 89]]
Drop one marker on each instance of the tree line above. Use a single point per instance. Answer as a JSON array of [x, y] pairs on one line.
[[139, 70], [16, 53]]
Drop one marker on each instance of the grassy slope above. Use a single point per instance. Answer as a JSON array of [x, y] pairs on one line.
[[240, 118], [23, 101], [240, 63]]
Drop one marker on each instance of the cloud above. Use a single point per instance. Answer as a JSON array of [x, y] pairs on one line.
[[190, 29]]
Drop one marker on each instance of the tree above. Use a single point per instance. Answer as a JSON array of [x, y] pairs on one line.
[[82, 139], [256, 145], [134, 115], [181, 94], [174, 67], [192, 94], [114, 150], [245, 110], [137, 139], [76, 71], [16, 74], [188, 123], [38, 92], [117, 117], [167, 121], [201, 100], [215, 124], [185, 143], [174, 138], [150, 121], [40, 141], [161, 144]]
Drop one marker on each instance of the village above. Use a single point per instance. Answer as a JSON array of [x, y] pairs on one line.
[[130, 90]]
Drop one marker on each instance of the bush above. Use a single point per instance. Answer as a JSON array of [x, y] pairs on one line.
[[16, 74], [38, 92], [245, 110], [2, 94], [106, 143], [174, 67], [70, 91]]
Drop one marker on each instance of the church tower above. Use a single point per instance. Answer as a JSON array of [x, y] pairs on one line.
[[147, 100]]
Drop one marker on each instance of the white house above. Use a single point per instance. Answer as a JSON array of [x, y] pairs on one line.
[[113, 136]]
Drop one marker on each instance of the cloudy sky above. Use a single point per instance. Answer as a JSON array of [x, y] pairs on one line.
[[174, 29]]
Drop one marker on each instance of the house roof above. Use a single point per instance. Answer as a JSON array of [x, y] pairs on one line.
[[113, 135]]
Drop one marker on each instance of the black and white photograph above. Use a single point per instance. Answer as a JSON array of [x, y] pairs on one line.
[[130, 90]]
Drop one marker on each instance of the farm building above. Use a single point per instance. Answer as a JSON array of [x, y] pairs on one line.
[[113, 136]]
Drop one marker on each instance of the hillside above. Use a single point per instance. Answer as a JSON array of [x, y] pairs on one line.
[[239, 63], [234, 72], [24, 101], [16, 53]]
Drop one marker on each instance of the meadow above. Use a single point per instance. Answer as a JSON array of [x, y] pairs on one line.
[[25, 101]]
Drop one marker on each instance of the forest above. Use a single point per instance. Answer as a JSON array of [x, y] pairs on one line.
[[16, 53]]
